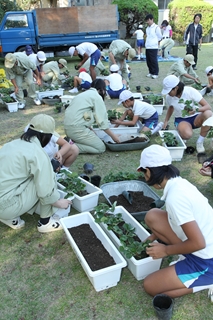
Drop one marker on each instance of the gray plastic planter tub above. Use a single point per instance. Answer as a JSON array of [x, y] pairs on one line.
[[116, 188]]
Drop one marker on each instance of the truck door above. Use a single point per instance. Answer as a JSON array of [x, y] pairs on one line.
[[17, 31]]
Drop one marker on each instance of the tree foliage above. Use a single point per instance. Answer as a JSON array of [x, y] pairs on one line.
[[133, 12], [7, 5], [181, 13]]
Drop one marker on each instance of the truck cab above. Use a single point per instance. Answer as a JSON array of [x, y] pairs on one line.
[[16, 31]]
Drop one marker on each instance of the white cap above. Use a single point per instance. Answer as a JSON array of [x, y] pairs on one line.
[[71, 51], [125, 95], [114, 68], [208, 69], [140, 26], [41, 56], [155, 156], [208, 122], [169, 83]]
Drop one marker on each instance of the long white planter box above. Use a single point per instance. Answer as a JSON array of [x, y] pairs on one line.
[[104, 278], [87, 202], [49, 93], [139, 268], [67, 98], [176, 152], [60, 213]]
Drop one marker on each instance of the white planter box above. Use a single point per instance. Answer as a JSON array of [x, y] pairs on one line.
[[12, 106], [137, 95], [176, 152], [61, 213], [139, 268], [49, 93], [158, 107], [67, 98], [104, 278], [87, 202]]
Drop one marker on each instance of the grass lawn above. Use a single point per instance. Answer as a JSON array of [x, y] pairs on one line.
[[40, 276]]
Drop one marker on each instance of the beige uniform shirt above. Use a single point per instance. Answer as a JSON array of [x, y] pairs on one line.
[[21, 162], [24, 65], [178, 69]]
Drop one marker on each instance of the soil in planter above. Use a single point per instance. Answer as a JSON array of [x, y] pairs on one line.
[[140, 202], [91, 247]]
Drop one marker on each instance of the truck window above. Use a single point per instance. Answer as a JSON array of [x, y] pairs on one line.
[[16, 21]]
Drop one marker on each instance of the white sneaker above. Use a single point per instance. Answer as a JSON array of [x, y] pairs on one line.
[[52, 225], [154, 76], [149, 75], [210, 293], [37, 102], [139, 58], [21, 105], [15, 223], [199, 147], [181, 257], [74, 90], [158, 127]]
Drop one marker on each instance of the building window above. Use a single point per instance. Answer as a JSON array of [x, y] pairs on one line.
[[162, 4]]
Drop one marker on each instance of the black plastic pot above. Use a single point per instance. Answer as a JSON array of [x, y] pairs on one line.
[[138, 88], [84, 176], [88, 167], [96, 180], [163, 306]]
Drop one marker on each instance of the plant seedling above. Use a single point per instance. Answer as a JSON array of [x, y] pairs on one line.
[[7, 99], [72, 183], [130, 243], [188, 107], [170, 139]]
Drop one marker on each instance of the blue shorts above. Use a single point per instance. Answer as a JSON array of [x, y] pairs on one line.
[[140, 43], [189, 120], [114, 94], [152, 122], [195, 272], [94, 58], [85, 84]]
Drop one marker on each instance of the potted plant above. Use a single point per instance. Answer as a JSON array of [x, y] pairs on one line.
[[157, 100], [11, 103], [86, 194], [58, 107], [125, 240], [113, 114], [173, 142], [50, 91], [103, 277]]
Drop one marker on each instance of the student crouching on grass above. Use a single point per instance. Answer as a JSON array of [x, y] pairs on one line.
[[185, 228], [176, 96], [27, 178], [83, 80], [114, 82], [142, 113]]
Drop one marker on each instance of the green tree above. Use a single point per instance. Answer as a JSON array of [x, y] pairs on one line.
[[181, 13], [133, 12], [7, 5]]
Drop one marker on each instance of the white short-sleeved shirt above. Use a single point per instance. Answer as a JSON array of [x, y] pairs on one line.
[[166, 31], [86, 47], [33, 58], [52, 147], [188, 94], [184, 203], [115, 81], [139, 34], [143, 109], [85, 76]]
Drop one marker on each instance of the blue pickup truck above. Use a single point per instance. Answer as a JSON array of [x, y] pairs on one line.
[[56, 29]]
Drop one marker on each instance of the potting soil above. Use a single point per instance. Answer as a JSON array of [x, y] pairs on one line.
[[140, 202]]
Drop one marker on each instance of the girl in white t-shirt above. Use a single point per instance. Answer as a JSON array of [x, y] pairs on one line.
[[140, 41], [176, 96], [166, 43], [184, 226]]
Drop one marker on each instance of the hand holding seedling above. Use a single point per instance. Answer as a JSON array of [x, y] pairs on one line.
[[206, 169], [156, 250]]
